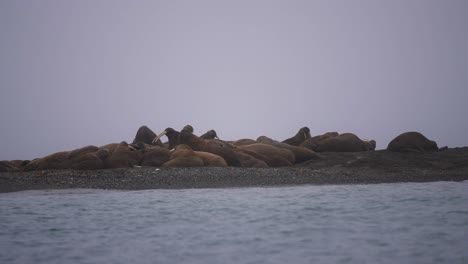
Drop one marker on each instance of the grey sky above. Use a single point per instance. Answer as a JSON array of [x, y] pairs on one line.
[[76, 73]]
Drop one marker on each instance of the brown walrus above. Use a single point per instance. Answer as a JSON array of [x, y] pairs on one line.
[[146, 135], [301, 154], [155, 156], [346, 142], [248, 159], [210, 159], [85, 158], [90, 160], [121, 155], [311, 143], [411, 142], [81, 151], [272, 156], [183, 156], [58, 160], [172, 135], [243, 142], [211, 134], [301, 135]]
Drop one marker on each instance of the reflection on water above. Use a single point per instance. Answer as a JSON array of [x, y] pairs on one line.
[[385, 223]]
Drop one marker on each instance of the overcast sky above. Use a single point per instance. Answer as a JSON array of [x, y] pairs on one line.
[[76, 73]]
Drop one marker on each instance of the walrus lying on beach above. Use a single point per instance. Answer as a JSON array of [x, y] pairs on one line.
[[114, 155], [243, 142], [346, 142], [272, 156], [85, 158], [183, 156], [249, 159], [154, 156], [301, 154], [210, 159], [121, 155], [311, 143], [411, 142], [63, 160], [90, 160], [58, 160]]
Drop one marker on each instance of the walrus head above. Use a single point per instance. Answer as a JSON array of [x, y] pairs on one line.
[[186, 132], [304, 133], [369, 144], [145, 135], [211, 134], [432, 145], [171, 134], [188, 128], [372, 144]]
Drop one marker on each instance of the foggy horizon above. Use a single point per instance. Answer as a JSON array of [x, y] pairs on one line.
[[77, 73]]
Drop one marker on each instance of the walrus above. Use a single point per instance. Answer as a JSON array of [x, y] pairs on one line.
[[211, 134], [301, 135], [155, 156], [81, 151], [272, 156], [146, 135], [85, 158], [58, 160], [301, 154], [248, 159], [172, 135], [183, 156], [210, 159], [121, 155], [186, 136], [311, 143], [411, 142], [90, 160], [346, 142], [110, 147], [243, 142]]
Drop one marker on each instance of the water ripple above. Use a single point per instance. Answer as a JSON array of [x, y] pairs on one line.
[[386, 223]]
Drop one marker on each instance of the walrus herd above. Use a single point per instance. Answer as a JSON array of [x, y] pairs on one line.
[[185, 149]]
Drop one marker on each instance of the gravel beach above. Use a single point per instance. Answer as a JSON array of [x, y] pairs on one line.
[[331, 168]]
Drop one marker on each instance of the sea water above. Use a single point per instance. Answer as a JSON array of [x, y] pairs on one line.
[[383, 223]]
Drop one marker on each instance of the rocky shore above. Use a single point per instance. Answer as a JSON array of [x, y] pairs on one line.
[[367, 167]]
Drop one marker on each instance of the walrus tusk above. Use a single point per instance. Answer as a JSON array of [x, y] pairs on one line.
[[159, 136], [132, 148]]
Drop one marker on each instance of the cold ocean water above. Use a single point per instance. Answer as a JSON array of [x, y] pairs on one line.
[[382, 223]]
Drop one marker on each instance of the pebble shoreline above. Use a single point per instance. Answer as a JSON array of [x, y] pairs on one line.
[[332, 168]]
